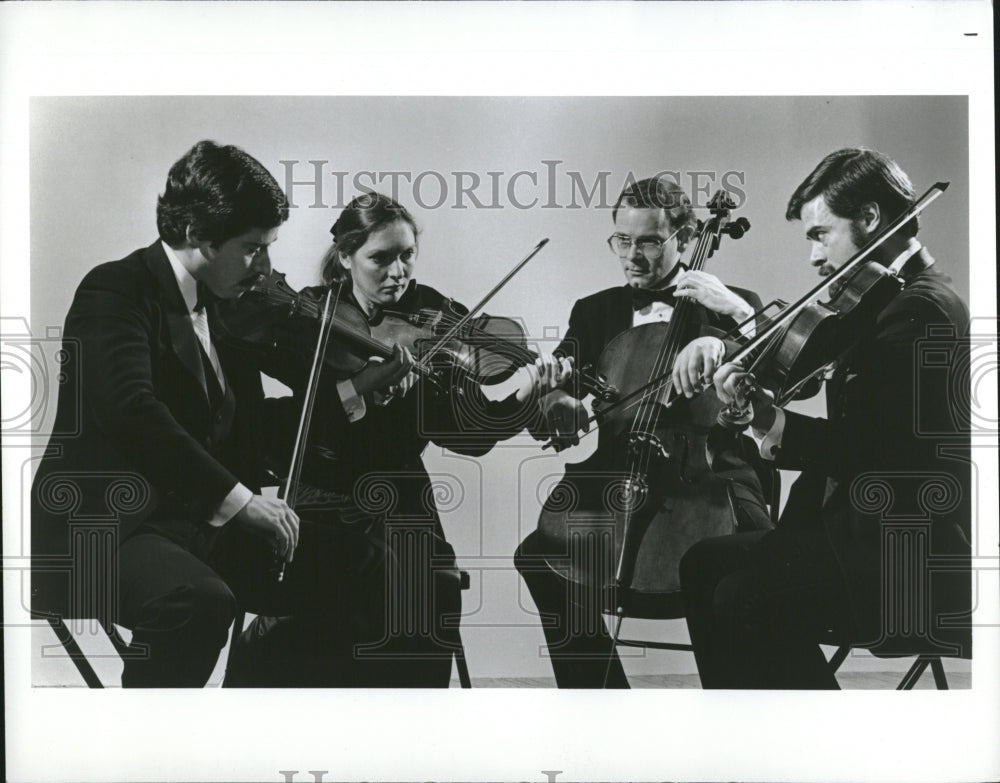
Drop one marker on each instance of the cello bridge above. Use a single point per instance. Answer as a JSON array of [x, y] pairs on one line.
[[640, 441]]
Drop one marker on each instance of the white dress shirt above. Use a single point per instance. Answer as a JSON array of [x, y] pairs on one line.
[[653, 313], [239, 495]]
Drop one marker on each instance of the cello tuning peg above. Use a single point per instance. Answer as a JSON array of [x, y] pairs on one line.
[[738, 228]]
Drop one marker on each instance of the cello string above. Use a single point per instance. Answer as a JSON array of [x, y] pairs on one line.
[[675, 334], [647, 415]]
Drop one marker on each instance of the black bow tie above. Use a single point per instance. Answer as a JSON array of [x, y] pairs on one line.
[[642, 297]]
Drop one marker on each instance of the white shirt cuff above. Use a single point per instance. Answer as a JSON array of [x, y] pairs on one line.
[[354, 404], [233, 503], [770, 441], [749, 329]]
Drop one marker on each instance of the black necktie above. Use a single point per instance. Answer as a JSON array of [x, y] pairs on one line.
[[203, 298], [642, 297]]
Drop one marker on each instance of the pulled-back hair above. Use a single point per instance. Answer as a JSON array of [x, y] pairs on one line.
[[218, 193], [660, 192], [850, 178], [365, 215]]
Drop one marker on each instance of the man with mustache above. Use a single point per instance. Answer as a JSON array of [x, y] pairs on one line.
[[759, 604], [653, 223], [162, 431]]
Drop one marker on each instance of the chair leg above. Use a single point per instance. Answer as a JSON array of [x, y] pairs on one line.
[[839, 657], [937, 668], [913, 674], [611, 652], [74, 652], [238, 622], [461, 665], [116, 639]]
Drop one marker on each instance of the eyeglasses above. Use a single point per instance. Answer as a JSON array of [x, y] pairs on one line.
[[651, 249]]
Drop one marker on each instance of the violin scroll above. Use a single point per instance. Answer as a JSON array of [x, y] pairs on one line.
[[738, 414]]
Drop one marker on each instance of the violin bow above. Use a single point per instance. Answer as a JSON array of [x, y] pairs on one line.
[[782, 319], [461, 322], [308, 403], [772, 331]]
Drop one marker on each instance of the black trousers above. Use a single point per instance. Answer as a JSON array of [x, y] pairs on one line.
[[180, 586], [757, 606], [579, 645], [389, 619]]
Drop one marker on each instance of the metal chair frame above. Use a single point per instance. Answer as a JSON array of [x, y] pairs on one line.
[[774, 501], [76, 654], [912, 675]]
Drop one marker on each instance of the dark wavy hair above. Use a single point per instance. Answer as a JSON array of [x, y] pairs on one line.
[[218, 193], [661, 193], [365, 215], [852, 177]]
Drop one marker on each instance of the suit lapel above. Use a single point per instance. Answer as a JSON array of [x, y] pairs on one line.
[[182, 336], [621, 314]]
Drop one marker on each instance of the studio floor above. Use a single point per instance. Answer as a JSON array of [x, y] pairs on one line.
[[861, 671]]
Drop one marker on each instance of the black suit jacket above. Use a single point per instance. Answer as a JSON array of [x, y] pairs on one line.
[[881, 455], [146, 445], [597, 318]]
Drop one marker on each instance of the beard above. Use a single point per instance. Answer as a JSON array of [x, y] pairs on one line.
[[859, 234]]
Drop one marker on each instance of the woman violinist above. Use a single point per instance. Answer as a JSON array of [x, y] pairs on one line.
[[759, 605], [363, 467], [654, 221]]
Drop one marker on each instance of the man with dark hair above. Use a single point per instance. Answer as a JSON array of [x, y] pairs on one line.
[[149, 514], [654, 222], [759, 604]]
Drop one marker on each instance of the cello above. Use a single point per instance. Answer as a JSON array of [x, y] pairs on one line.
[[621, 520]]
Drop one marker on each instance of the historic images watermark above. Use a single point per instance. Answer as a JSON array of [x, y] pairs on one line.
[[316, 184], [318, 775]]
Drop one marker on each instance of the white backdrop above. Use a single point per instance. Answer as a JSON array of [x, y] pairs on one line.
[[97, 165]]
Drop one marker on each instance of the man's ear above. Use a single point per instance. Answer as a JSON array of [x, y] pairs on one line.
[[871, 217], [683, 237]]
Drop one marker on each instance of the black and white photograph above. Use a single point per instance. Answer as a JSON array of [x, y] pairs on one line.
[[483, 392]]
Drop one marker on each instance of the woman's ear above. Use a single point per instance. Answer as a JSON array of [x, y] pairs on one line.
[[345, 260]]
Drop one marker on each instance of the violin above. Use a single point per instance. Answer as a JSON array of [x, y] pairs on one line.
[[623, 518], [272, 320], [486, 349], [451, 345], [801, 342]]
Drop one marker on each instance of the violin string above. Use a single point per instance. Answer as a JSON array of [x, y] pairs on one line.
[[489, 340], [513, 351], [498, 343]]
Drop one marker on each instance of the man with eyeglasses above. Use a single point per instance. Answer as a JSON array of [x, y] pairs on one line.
[[654, 222]]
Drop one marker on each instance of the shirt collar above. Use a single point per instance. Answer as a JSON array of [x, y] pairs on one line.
[[668, 281], [185, 281], [913, 260]]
